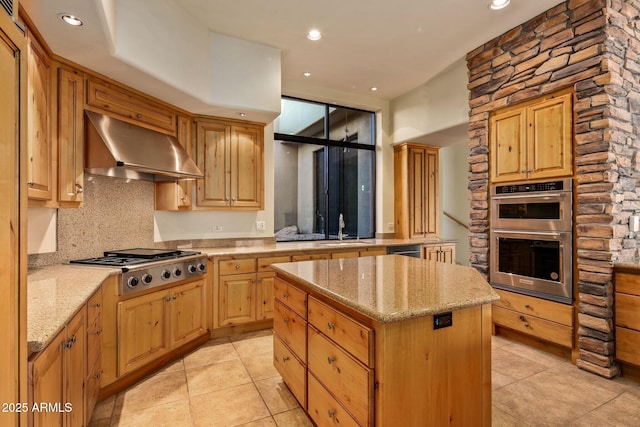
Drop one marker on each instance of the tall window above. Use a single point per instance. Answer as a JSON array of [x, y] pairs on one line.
[[324, 167]]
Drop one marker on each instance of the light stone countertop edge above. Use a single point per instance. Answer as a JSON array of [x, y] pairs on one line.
[[54, 295]]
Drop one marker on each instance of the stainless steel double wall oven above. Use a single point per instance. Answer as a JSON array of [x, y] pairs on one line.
[[531, 243]]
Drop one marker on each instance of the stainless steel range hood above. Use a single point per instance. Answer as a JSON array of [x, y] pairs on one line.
[[119, 149]]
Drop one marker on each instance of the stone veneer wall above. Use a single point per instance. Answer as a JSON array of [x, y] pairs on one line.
[[594, 47]]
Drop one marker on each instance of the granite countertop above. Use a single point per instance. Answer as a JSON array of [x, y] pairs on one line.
[[54, 296], [332, 245], [392, 288]]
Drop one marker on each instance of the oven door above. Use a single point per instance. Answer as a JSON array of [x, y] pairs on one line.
[[537, 263], [533, 211]]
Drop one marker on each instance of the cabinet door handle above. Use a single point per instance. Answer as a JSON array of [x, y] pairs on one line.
[[174, 297], [285, 320], [97, 332], [96, 305], [527, 306], [330, 325], [167, 299], [285, 358], [97, 376], [139, 116], [285, 295], [331, 413], [331, 360]]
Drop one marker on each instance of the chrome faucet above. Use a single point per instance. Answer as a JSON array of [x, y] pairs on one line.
[[340, 227]]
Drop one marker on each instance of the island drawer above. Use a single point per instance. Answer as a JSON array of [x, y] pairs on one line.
[[628, 345], [291, 329], [357, 339], [627, 283], [264, 264], [627, 311], [324, 410], [291, 296], [531, 325], [291, 370], [237, 266], [345, 377], [538, 307]]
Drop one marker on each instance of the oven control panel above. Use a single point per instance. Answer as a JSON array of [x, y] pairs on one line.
[[533, 187], [156, 274]]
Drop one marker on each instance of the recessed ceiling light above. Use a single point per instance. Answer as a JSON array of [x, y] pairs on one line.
[[71, 19], [307, 74], [499, 4], [373, 88], [314, 35]]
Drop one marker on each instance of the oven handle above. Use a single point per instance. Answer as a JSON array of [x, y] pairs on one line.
[[545, 196], [535, 233]]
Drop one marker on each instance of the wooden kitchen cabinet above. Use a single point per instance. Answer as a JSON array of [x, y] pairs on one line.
[[126, 105], [230, 155], [143, 332], [440, 253], [539, 318], [532, 140], [57, 377], [627, 317], [70, 137], [188, 312], [416, 190], [94, 353], [41, 164], [176, 195], [151, 325]]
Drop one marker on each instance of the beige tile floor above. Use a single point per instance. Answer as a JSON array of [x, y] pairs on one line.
[[232, 382]]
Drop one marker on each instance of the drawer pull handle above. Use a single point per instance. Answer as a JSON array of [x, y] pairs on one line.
[[285, 320], [96, 305], [522, 318], [527, 306], [285, 295], [331, 413], [330, 325], [331, 360], [237, 266], [285, 358], [97, 376], [98, 332]]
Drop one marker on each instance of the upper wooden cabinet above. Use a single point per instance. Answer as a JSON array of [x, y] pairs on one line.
[[230, 155], [416, 190], [125, 105], [70, 136], [41, 161], [533, 140], [176, 195]]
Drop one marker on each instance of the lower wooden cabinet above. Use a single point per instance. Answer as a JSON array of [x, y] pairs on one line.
[[151, 325], [94, 353], [542, 319], [627, 317], [441, 253], [57, 376]]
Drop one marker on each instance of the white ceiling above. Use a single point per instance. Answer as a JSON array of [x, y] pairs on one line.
[[393, 45]]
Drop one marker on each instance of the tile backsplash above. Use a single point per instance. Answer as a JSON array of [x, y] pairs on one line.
[[116, 214]]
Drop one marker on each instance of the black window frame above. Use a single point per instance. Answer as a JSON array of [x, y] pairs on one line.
[[328, 142]]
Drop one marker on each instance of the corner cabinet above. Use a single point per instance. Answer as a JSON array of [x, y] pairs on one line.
[[533, 140], [230, 155], [416, 190], [176, 195]]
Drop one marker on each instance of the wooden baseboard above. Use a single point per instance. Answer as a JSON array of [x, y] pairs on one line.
[[547, 347], [230, 331], [135, 376]]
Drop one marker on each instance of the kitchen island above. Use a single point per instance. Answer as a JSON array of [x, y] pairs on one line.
[[386, 340]]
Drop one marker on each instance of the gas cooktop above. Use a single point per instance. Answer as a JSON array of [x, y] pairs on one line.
[[148, 268], [128, 257]]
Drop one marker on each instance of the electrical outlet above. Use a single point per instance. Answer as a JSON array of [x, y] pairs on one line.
[[390, 226], [216, 228], [260, 226]]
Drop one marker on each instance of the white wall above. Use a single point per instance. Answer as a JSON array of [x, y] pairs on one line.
[[454, 175], [441, 103]]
